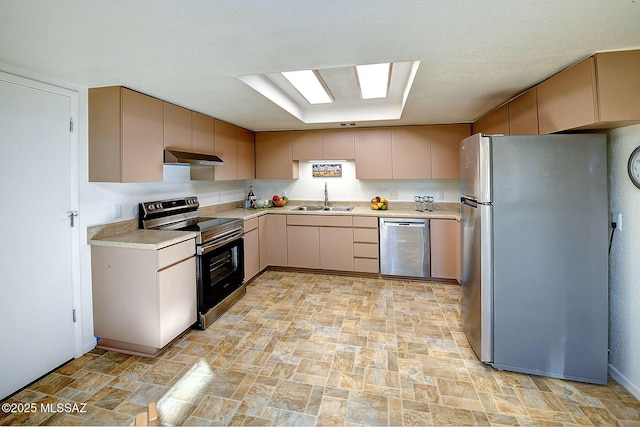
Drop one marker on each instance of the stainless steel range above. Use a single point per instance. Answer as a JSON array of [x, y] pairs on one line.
[[219, 249]]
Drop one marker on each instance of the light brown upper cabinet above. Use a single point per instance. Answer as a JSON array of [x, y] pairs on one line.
[[445, 150], [274, 156], [177, 127], [373, 153], [246, 154], [338, 144], [494, 123], [618, 80], [523, 113], [411, 152], [306, 144], [567, 100], [125, 136], [325, 144], [227, 150]]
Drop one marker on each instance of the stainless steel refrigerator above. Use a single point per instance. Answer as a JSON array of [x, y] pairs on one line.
[[534, 253]]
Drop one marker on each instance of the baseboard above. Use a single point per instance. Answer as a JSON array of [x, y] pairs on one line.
[[624, 381]]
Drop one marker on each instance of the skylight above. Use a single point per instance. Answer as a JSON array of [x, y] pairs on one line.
[[373, 80], [308, 83]]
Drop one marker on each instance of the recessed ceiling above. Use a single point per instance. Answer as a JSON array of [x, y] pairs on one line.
[[342, 84], [475, 55]]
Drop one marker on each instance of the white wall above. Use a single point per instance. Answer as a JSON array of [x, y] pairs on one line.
[[624, 268], [348, 188]]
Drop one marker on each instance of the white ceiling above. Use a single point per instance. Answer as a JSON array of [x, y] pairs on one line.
[[476, 54]]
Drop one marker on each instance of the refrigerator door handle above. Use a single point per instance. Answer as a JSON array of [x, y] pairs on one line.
[[469, 202]]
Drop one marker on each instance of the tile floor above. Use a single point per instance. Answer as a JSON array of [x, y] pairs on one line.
[[309, 349]]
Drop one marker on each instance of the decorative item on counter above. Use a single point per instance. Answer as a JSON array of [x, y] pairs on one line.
[[428, 201], [251, 197], [419, 200], [379, 203], [261, 203], [278, 202]]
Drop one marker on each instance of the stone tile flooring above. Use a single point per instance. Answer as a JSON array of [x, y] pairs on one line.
[[309, 349]]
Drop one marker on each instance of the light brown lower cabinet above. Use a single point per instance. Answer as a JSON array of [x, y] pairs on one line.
[[251, 249], [143, 298], [445, 249], [365, 245], [336, 248], [273, 240], [303, 246]]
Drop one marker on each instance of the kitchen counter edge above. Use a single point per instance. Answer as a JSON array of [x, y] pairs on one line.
[[144, 239], [247, 214]]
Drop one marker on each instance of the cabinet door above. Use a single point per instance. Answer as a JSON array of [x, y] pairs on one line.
[[251, 254], [177, 127], [246, 154], [494, 123], [445, 248], [568, 99], [338, 144], [142, 137], [445, 150], [373, 153], [202, 136], [274, 156], [263, 242], [618, 76], [523, 114], [227, 150], [303, 246], [276, 239], [176, 299], [336, 248], [306, 144], [411, 152]]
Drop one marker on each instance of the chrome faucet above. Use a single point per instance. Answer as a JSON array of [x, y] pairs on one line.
[[326, 196]]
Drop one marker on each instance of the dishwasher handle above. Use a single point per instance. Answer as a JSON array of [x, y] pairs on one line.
[[404, 223]]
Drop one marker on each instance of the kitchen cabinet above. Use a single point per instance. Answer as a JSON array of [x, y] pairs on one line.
[[365, 244], [373, 153], [618, 83], [567, 100], [251, 249], [338, 144], [274, 156], [494, 123], [226, 147], [177, 127], [445, 150], [445, 249], [202, 141], [326, 144], [411, 152], [246, 154], [125, 136], [143, 298], [320, 241], [523, 113], [272, 240]]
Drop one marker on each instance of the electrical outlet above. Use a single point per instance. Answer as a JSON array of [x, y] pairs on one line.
[[440, 195], [283, 193], [393, 195], [617, 218], [116, 211], [218, 197]]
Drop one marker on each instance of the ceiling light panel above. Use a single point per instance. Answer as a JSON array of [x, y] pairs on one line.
[[373, 80], [308, 83]]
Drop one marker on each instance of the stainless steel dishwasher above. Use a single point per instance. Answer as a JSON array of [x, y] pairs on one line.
[[404, 247]]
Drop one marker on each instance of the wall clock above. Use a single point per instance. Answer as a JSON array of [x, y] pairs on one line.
[[633, 167]]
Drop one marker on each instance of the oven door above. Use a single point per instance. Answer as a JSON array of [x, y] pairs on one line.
[[220, 272]]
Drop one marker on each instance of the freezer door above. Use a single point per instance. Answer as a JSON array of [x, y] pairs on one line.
[[475, 168], [476, 280]]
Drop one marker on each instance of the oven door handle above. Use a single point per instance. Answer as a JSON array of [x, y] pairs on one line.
[[203, 249]]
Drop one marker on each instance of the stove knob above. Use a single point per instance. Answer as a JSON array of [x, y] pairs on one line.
[[158, 205], [150, 207]]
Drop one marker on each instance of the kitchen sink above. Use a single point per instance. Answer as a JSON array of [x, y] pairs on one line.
[[338, 208], [322, 208], [309, 208]]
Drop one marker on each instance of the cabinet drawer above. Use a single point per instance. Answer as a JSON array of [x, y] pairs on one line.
[[365, 235], [320, 220], [365, 221], [176, 253], [366, 265], [365, 250], [250, 224]]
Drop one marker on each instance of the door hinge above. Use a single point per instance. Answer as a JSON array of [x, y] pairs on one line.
[[74, 315], [71, 125]]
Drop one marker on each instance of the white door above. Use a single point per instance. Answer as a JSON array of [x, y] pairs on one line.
[[36, 287]]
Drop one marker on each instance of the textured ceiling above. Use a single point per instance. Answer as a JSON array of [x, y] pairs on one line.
[[476, 54]]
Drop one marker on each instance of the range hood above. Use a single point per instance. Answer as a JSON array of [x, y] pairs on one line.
[[174, 157]]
